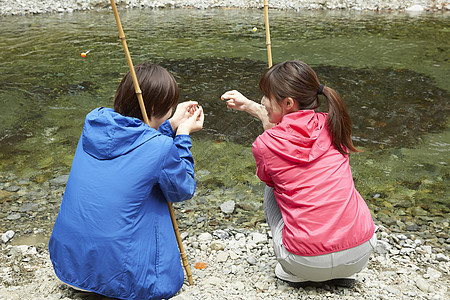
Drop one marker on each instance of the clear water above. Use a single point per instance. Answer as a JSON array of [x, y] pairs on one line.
[[391, 69]]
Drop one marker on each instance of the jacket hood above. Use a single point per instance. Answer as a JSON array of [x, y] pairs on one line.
[[301, 136], [107, 134]]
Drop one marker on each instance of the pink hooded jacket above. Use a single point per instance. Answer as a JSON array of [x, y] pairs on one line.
[[313, 186]]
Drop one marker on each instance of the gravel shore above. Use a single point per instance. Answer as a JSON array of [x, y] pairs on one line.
[[410, 261], [21, 7], [240, 265]]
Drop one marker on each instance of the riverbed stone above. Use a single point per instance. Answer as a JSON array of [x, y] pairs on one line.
[[251, 260], [222, 234], [204, 237], [228, 206], [233, 255], [60, 180], [393, 290], [222, 256], [433, 273], [217, 246], [7, 236], [422, 284], [258, 238], [13, 216], [4, 195], [442, 257], [29, 207], [13, 188]]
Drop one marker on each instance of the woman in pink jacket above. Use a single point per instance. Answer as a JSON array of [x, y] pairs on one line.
[[321, 227]]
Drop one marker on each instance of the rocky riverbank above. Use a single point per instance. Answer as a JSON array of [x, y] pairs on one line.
[[238, 263], [231, 239], [21, 7]]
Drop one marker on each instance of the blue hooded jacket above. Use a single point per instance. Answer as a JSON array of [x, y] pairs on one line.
[[113, 234]]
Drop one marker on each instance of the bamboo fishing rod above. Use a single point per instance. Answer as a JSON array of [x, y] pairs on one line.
[[266, 22], [146, 121]]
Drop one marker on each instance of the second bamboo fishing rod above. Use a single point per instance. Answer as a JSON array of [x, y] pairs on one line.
[[268, 43]]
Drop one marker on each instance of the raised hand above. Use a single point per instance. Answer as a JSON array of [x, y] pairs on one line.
[[237, 101], [183, 111], [193, 123]]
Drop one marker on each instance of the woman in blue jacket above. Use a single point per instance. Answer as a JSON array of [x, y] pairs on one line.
[[113, 234]]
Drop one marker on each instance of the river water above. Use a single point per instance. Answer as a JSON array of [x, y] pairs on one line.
[[391, 69]]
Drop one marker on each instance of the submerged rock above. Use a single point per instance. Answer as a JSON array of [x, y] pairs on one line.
[[7, 236], [227, 207]]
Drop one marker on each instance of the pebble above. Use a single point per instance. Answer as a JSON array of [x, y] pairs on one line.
[[7, 236], [441, 257], [228, 207], [204, 237], [13, 188], [422, 284], [217, 246], [433, 274], [222, 234], [222, 256], [60, 180], [13, 216], [258, 238], [29, 207]]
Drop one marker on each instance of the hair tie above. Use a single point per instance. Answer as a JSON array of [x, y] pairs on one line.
[[320, 91]]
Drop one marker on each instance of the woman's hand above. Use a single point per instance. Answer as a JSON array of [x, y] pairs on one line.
[[193, 123], [236, 100], [183, 111]]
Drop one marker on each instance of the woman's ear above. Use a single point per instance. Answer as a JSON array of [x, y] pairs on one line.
[[290, 104]]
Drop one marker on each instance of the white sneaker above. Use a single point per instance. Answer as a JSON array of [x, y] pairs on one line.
[[286, 276]]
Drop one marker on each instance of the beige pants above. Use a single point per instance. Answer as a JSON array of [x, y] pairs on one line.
[[318, 268]]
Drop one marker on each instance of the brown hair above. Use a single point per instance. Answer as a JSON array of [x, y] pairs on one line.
[[297, 80], [159, 91]]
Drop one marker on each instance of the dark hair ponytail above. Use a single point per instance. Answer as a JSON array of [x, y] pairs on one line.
[[297, 80], [339, 122]]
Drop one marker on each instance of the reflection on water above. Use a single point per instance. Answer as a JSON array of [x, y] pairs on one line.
[[392, 71]]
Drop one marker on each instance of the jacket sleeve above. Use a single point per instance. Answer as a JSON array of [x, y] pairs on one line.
[[177, 181], [261, 170], [166, 129]]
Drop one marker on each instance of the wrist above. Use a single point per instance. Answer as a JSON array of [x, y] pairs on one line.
[[256, 110], [174, 124], [181, 130]]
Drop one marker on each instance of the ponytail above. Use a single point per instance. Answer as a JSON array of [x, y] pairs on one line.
[[339, 122], [297, 80]]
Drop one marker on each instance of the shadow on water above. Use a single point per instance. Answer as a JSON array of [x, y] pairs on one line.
[[389, 108]]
